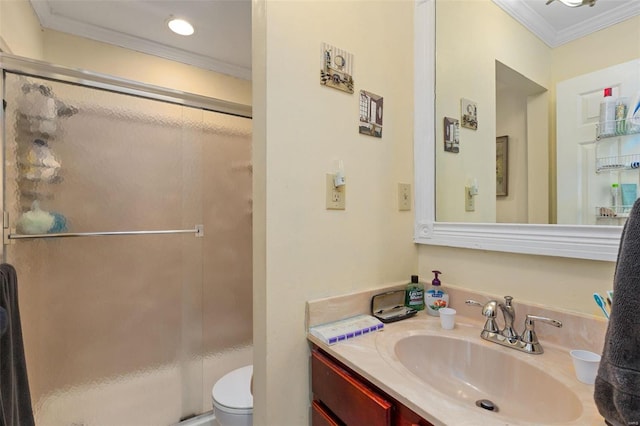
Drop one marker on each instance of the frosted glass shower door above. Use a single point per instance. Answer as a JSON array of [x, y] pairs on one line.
[[112, 324]]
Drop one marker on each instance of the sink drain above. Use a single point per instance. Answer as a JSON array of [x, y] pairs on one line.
[[487, 405]]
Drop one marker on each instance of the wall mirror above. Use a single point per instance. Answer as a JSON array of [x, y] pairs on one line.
[[462, 61]]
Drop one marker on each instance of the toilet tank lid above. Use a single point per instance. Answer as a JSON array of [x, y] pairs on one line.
[[233, 390]]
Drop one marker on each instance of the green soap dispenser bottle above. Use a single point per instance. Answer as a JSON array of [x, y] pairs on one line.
[[414, 295], [435, 298]]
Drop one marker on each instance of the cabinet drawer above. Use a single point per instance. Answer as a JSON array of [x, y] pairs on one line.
[[346, 396], [321, 417]]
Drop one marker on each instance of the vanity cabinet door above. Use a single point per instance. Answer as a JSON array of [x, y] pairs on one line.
[[407, 417], [343, 397], [348, 398], [320, 416]]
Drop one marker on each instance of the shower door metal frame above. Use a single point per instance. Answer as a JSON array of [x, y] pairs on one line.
[[33, 68]]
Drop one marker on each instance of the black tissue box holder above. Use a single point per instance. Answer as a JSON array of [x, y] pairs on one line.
[[389, 306]]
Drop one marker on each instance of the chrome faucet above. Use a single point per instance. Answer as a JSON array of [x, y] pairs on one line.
[[526, 342], [509, 314]]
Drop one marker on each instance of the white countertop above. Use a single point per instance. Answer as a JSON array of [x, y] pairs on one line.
[[373, 357]]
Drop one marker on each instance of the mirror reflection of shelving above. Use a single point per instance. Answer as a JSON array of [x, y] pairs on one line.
[[618, 155]]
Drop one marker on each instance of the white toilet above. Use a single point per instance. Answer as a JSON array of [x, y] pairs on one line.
[[232, 398]]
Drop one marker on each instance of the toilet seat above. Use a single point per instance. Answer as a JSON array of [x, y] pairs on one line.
[[232, 393]]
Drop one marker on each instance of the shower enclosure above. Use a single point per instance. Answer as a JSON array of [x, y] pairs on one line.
[[127, 215]]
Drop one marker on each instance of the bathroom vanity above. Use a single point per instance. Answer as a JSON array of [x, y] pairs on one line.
[[341, 396], [415, 373]]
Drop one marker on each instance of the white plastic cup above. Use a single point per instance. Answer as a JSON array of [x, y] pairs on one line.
[[447, 318], [586, 365]]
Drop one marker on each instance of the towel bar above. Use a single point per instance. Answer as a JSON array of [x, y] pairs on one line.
[[198, 231]]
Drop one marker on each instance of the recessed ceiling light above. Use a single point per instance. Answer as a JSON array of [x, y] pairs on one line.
[[180, 26]]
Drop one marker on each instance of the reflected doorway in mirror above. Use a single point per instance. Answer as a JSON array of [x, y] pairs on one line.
[[502, 166]]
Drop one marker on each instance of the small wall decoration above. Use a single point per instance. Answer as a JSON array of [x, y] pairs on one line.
[[451, 135], [371, 114], [469, 114], [336, 68], [502, 166]]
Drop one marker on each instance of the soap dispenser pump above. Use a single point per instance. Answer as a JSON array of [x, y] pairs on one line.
[[435, 298]]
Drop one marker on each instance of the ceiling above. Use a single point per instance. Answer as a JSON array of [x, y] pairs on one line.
[[557, 24], [222, 41]]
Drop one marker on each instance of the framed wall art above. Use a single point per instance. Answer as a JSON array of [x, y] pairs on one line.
[[370, 114], [451, 135], [336, 68], [469, 114]]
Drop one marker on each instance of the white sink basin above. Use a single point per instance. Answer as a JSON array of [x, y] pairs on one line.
[[468, 371]]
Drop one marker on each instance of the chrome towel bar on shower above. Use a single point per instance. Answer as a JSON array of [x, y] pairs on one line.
[[8, 236]]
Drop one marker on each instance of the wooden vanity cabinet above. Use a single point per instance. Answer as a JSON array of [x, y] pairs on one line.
[[342, 397]]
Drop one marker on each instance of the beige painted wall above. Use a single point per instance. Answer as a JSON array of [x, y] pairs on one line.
[[465, 68], [614, 45], [551, 281], [511, 120], [300, 127], [20, 32], [78, 52]]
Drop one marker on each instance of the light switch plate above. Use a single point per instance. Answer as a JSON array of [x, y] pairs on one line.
[[336, 197], [404, 196]]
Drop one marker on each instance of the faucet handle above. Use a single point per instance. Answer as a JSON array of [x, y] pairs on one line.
[[529, 321], [529, 336], [489, 311]]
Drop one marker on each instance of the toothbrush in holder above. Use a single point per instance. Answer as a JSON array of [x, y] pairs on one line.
[[602, 304]]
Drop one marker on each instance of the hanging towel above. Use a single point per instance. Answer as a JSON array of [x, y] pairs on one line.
[[617, 386], [4, 321], [15, 399]]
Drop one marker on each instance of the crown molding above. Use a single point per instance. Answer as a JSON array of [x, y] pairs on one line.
[[535, 23], [60, 23], [599, 22], [522, 13]]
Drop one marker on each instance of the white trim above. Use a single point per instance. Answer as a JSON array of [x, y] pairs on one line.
[[598, 22], [93, 32], [524, 14], [4, 47], [595, 243], [521, 12], [582, 242]]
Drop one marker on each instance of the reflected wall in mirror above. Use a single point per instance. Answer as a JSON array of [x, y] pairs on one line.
[[515, 77]]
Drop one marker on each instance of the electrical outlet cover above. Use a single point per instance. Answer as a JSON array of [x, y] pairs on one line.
[[336, 196]]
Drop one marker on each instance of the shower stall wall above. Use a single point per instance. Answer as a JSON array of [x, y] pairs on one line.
[[128, 220]]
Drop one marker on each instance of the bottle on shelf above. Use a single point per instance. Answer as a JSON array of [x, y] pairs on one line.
[[633, 115], [615, 196], [607, 114], [621, 116]]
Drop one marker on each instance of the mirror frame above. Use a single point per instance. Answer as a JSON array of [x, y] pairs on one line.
[[573, 241]]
